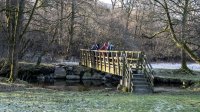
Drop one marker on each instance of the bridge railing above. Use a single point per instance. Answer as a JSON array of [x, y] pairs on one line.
[[110, 61], [148, 71], [121, 63]]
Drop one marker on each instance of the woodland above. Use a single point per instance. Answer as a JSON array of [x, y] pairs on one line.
[[47, 30], [37, 35]]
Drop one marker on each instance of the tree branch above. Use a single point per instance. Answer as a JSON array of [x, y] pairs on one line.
[[157, 33], [30, 18]]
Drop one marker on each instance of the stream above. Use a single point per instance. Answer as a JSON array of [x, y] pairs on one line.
[[62, 84]]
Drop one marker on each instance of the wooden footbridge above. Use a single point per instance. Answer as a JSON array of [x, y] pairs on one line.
[[132, 66]]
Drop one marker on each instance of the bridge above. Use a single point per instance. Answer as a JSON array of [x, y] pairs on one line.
[[135, 71]]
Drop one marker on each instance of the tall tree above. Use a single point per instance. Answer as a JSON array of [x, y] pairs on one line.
[[180, 43], [113, 2], [183, 32], [71, 28], [15, 32], [128, 6]]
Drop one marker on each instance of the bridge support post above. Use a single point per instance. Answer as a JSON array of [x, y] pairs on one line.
[[125, 85], [125, 82]]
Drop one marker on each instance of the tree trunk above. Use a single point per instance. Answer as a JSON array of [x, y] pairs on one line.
[[183, 35], [71, 29], [39, 60], [60, 11], [183, 60], [14, 64], [17, 15], [61, 22], [14, 15]]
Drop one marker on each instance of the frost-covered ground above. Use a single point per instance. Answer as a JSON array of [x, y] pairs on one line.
[[66, 63], [192, 66], [42, 100]]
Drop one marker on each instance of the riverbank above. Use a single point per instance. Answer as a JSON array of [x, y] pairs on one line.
[[104, 100], [22, 97], [16, 86]]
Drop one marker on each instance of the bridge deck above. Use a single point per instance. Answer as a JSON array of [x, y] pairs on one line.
[[121, 63], [111, 61]]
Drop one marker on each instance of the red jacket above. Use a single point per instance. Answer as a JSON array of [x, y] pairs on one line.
[[104, 47]]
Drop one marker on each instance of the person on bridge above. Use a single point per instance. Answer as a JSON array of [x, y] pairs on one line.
[[110, 46], [105, 46], [93, 53], [95, 47]]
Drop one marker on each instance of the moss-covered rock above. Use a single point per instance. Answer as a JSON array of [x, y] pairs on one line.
[[196, 86], [28, 71]]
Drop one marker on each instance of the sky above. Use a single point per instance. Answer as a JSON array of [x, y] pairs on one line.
[[106, 1]]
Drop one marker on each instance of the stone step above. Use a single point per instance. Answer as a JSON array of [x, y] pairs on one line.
[[141, 86], [139, 79], [138, 76], [140, 82], [140, 90]]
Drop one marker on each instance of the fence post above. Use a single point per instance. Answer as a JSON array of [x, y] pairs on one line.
[[123, 69], [124, 81]]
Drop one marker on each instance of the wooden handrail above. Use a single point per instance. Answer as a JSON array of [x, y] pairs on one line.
[[119, 63], [107, 51], [148, 71], [108, 61]]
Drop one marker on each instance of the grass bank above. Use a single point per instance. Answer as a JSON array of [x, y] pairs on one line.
[[34, 99], [177, 74], [38, 100]]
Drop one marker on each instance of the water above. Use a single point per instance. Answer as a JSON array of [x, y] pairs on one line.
[[61, 84]]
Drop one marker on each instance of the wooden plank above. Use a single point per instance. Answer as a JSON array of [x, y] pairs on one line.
[[104, 61], [113, 62], [96, 60], [85, 58], [81, 55], [138, 62], [108, 55], [89, 58], [100, 59], [98, 63], [118, 64], [86, 63]]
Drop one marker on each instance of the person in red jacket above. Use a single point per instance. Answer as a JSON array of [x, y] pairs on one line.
[[105, 46]]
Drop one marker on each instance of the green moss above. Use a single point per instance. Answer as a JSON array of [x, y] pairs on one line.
[[125, 89], [195, 86], [83, 88], [30, 69]]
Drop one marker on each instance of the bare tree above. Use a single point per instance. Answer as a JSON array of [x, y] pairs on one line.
[[180, 43], [15, 32]]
